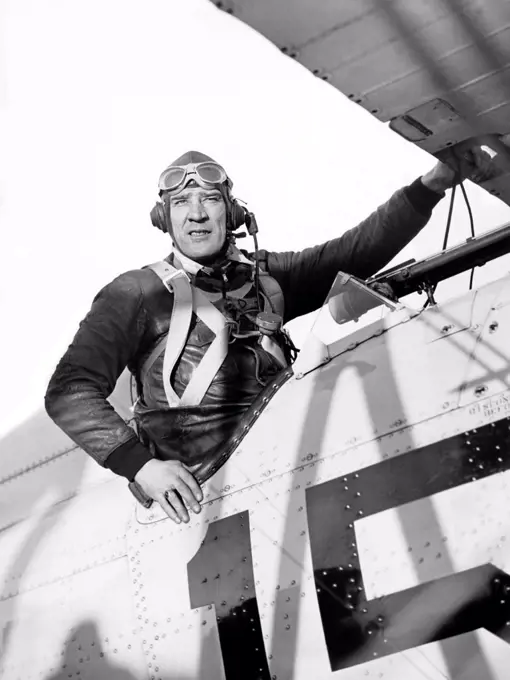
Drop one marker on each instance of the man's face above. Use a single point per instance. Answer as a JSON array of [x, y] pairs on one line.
[[199, 222]]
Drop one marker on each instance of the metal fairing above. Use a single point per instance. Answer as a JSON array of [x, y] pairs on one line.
[[359, 529]]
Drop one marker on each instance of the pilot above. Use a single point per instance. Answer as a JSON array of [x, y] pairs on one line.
[[201, 331]]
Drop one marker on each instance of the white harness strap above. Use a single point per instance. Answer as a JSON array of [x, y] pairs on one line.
[[188, 299]]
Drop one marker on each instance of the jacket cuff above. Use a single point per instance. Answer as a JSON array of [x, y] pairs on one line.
[[423, 199], [128, 458]]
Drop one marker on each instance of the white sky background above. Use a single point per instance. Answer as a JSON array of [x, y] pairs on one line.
[[97, 98]]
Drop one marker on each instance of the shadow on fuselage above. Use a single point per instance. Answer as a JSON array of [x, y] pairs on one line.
[[83, 648], [349, 636], [30, 441]]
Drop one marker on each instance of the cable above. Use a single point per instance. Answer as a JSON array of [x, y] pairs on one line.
[[471, 226], [446, 235], [450, 215], [448, 227], [252, 228], [257, 274]]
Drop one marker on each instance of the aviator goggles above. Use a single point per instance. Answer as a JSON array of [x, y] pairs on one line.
[[176, 176]]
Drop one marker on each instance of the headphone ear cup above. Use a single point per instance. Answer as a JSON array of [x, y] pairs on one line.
[[158, 217], [237, 215]]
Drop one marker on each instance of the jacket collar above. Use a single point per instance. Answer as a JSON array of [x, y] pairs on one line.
[[192, 267]]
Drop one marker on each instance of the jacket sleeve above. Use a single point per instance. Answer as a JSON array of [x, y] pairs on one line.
[[76, 399], [307, 276]]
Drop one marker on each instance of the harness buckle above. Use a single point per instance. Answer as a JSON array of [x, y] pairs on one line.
[[178, 273]]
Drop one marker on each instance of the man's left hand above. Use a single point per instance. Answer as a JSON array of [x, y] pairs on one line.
[[474, 163]]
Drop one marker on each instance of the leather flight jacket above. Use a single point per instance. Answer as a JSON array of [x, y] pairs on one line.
[[186, 432], [131, 315]]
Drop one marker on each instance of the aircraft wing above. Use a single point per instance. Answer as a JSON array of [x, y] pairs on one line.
[[437, 70]]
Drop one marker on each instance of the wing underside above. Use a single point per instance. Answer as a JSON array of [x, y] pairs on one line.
[[437, 70]]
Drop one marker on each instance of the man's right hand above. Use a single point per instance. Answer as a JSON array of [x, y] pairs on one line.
[[169, 481]]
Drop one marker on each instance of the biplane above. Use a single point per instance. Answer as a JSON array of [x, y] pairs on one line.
[[356, 524]]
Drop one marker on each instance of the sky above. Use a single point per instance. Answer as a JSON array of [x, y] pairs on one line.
[[97, 98]]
